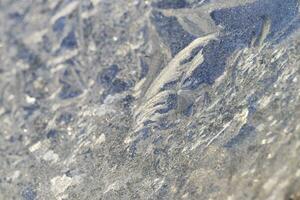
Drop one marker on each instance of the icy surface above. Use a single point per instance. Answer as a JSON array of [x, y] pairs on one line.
[[149, 99]]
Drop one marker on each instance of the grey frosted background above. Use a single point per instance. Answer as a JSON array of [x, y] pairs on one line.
[[149, 99]]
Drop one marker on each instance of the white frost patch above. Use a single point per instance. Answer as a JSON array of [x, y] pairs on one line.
[[88, 14], [295, 80], [51, 156], [95, 2], [127, 140], [270, 118], [30, 100], [264, 101], [198, 142], [270, 156], [112, 98], [113, 186], [57, 68], [53, 3], [158, 183], [100, 139], [92, 46], [2, 111], [220, 79], [270, 183], [65, 11], [98, 111], [104, 109], [242, 117], [267, 141], [36, 37], [60, 183], [230, 197], [60, 59], [273, 123], [138, 88], [14, 176], [185, 196], [35, 147], [219, 133]]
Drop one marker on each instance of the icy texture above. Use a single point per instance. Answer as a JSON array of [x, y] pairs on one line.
[[149, 99]]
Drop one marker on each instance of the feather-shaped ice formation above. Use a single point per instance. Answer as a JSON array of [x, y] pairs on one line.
[[169, 82]]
